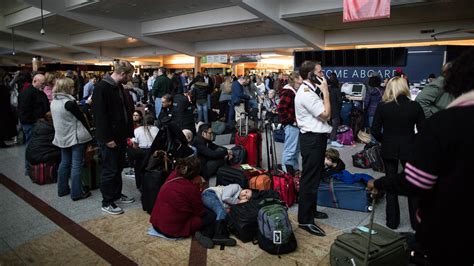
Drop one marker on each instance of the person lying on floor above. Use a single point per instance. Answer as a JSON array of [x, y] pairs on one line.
[[332, 163], [178, 210], [218, 200]]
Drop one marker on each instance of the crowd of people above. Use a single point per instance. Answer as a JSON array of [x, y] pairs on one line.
[[127, 117]]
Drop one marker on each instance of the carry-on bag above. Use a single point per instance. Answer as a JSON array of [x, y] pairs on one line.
[[283, 183], [260, 182], [252, 142], [336, 194], [227, 175], [242, 220], [381, 246], [275, 233], [44, 173]]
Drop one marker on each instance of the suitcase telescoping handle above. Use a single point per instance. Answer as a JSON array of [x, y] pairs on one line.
[[371, 225], [246, 124]]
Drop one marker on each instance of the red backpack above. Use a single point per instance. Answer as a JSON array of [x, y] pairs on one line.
[[283, 184]]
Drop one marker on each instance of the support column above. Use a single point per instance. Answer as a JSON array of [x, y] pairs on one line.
[[36, 63], [197, 65]]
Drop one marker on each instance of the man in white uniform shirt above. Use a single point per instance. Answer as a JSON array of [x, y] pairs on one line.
[[313, 110]]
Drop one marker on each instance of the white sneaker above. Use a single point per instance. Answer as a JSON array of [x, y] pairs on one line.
[[336, 144], [112, 209]]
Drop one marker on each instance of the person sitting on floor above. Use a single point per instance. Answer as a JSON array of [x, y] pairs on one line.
[[211, 155], [332, 163], [189, 136], [41, 148], [178, 210], [218, 200]]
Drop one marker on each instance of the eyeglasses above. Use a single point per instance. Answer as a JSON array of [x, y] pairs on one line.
[[210, 133]]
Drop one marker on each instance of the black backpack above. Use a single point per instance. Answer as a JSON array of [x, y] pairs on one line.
[[374, 155], [239, 155]]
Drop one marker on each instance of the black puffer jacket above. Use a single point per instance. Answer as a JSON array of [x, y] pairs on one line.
[[41, 148]]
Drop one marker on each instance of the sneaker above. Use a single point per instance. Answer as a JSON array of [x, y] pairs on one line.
[[112, 209], [204, 240], [125, 200], [336, 144], [130, 173], [313, 229]]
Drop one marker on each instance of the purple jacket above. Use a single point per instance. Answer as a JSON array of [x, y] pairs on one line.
[[372, 98]]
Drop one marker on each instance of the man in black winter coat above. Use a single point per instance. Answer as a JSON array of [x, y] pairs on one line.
[[33, 104], [113, 121], [183, 113], [211, 155]]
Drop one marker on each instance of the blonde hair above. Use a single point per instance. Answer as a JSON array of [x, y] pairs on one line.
[[292, 78], [123, 66], [396, 86], [64, 85], [49, 78]]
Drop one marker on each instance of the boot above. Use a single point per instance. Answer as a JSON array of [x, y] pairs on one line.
[[205, 241], [221, 235]]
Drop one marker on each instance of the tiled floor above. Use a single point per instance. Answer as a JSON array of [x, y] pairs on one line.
[[28, 237]]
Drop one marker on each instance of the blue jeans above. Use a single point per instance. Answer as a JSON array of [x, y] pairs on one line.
[[210, 200], [27, 131], [113, 161], [209, 102], [231, 114], [158, 106], [371, 120], [72, 159], [202, 112], [291, 148]]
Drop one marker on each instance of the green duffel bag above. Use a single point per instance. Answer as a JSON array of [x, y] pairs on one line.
[[387, 248]]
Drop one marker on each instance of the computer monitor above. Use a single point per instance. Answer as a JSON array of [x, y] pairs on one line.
[[356, 89]]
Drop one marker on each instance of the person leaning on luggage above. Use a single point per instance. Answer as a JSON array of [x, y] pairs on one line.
[[313, 110], [211, 155], [178, 209]]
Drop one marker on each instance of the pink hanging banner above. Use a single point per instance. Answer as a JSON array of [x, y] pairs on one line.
[[357, 10]]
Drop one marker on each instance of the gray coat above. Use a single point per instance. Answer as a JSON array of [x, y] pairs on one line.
[[69, 131]]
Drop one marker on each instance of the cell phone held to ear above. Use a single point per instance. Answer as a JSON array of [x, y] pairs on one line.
[[314, 78]]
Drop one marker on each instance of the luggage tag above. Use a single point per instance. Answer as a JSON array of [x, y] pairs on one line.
[[276, 237], [366, 230]]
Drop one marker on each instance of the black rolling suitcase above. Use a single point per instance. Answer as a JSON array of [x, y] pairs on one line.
[[382, 247], [227, 175]]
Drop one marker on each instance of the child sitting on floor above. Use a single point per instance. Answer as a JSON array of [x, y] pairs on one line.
[[332, 163]]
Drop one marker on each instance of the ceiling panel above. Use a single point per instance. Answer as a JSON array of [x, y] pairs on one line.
[[8, 37], [122, 43], [58, 24], [253, 29], [404, 14], [150, 9], [11, 6]]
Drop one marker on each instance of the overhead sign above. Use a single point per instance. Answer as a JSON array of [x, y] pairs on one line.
[[357, 10], [245, 58], [359, 74], [218, 58]]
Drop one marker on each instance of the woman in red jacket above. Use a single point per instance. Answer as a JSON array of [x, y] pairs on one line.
[[178, 210]]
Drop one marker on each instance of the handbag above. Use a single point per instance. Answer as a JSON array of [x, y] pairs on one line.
[[364, 137]]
